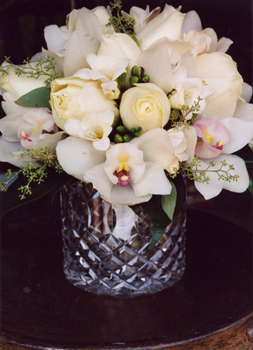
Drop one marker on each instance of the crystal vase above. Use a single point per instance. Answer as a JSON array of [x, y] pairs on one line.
[[106, 247]]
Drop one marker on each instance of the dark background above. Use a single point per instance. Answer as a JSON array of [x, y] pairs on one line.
[[22, 23]]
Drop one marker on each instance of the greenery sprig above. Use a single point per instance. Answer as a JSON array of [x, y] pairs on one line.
[[178, 116], [35, 170], [121, 24], [193, 172], [33, 69]]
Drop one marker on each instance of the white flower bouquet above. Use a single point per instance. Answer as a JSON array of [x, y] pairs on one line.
[[126, 102]]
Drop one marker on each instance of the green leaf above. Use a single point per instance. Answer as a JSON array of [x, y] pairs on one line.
[[51, 185], [154, 209], [39, 97], [169, 202], [250, 188]]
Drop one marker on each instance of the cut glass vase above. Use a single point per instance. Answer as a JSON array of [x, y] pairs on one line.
[[106, 247]]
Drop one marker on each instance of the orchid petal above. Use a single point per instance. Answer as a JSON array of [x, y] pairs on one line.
[[191, 22], [241, 133], [55, 37], [85, 156], [87, 22], [156, 147], [9, 127], [215, 185], [100, 181], [58, 59], [246, 92], [78, 46], [160, 73], [222, 106], [223, 44], [126, 196], [6, 153], [244, 111], [147, 184]]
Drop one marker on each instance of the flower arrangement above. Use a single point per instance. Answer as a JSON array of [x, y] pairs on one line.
[[127, 102]]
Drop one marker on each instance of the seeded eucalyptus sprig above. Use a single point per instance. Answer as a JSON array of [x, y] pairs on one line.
[[32, 171], [178, 116], [120, 23], [33, 69], [193, 172]]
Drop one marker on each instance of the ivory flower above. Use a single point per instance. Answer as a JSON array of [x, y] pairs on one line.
[[183, 140], [221, 136], [220, 73], [212, 136], [104, 68], [70, 45], [145, 106], [33, 124], [167, 24], [73, 98], [141, 17], [93, 127], [187, 93], [125, 174]]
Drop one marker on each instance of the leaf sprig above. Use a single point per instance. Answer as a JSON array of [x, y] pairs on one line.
[[121, 24], [193, 172], [33, 69], [35, 170], [178, 116]]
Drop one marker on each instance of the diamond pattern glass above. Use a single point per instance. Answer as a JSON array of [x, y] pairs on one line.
[[98, 260]]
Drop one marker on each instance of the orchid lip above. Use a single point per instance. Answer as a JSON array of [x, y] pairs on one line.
[[124, 180]]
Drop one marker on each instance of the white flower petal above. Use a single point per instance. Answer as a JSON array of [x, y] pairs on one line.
[[161, 185], [55, 37], [159, 73], [215, 186], [77, 156], [78, 46], [191, 22], [156, 147], [241, 133], [126, 196]]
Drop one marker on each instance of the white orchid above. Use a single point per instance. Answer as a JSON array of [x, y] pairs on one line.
[[125, 174], [216, 184]]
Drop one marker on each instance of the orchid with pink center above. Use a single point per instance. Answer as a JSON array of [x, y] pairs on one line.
[[33, 124], [217, 139], [212, 136], [125, 174], [221, 136]]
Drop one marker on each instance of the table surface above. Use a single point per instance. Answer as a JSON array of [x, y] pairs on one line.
[[211, 307]]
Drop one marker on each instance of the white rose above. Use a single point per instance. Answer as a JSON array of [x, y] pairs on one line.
[[73, 98], [146, 106]]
